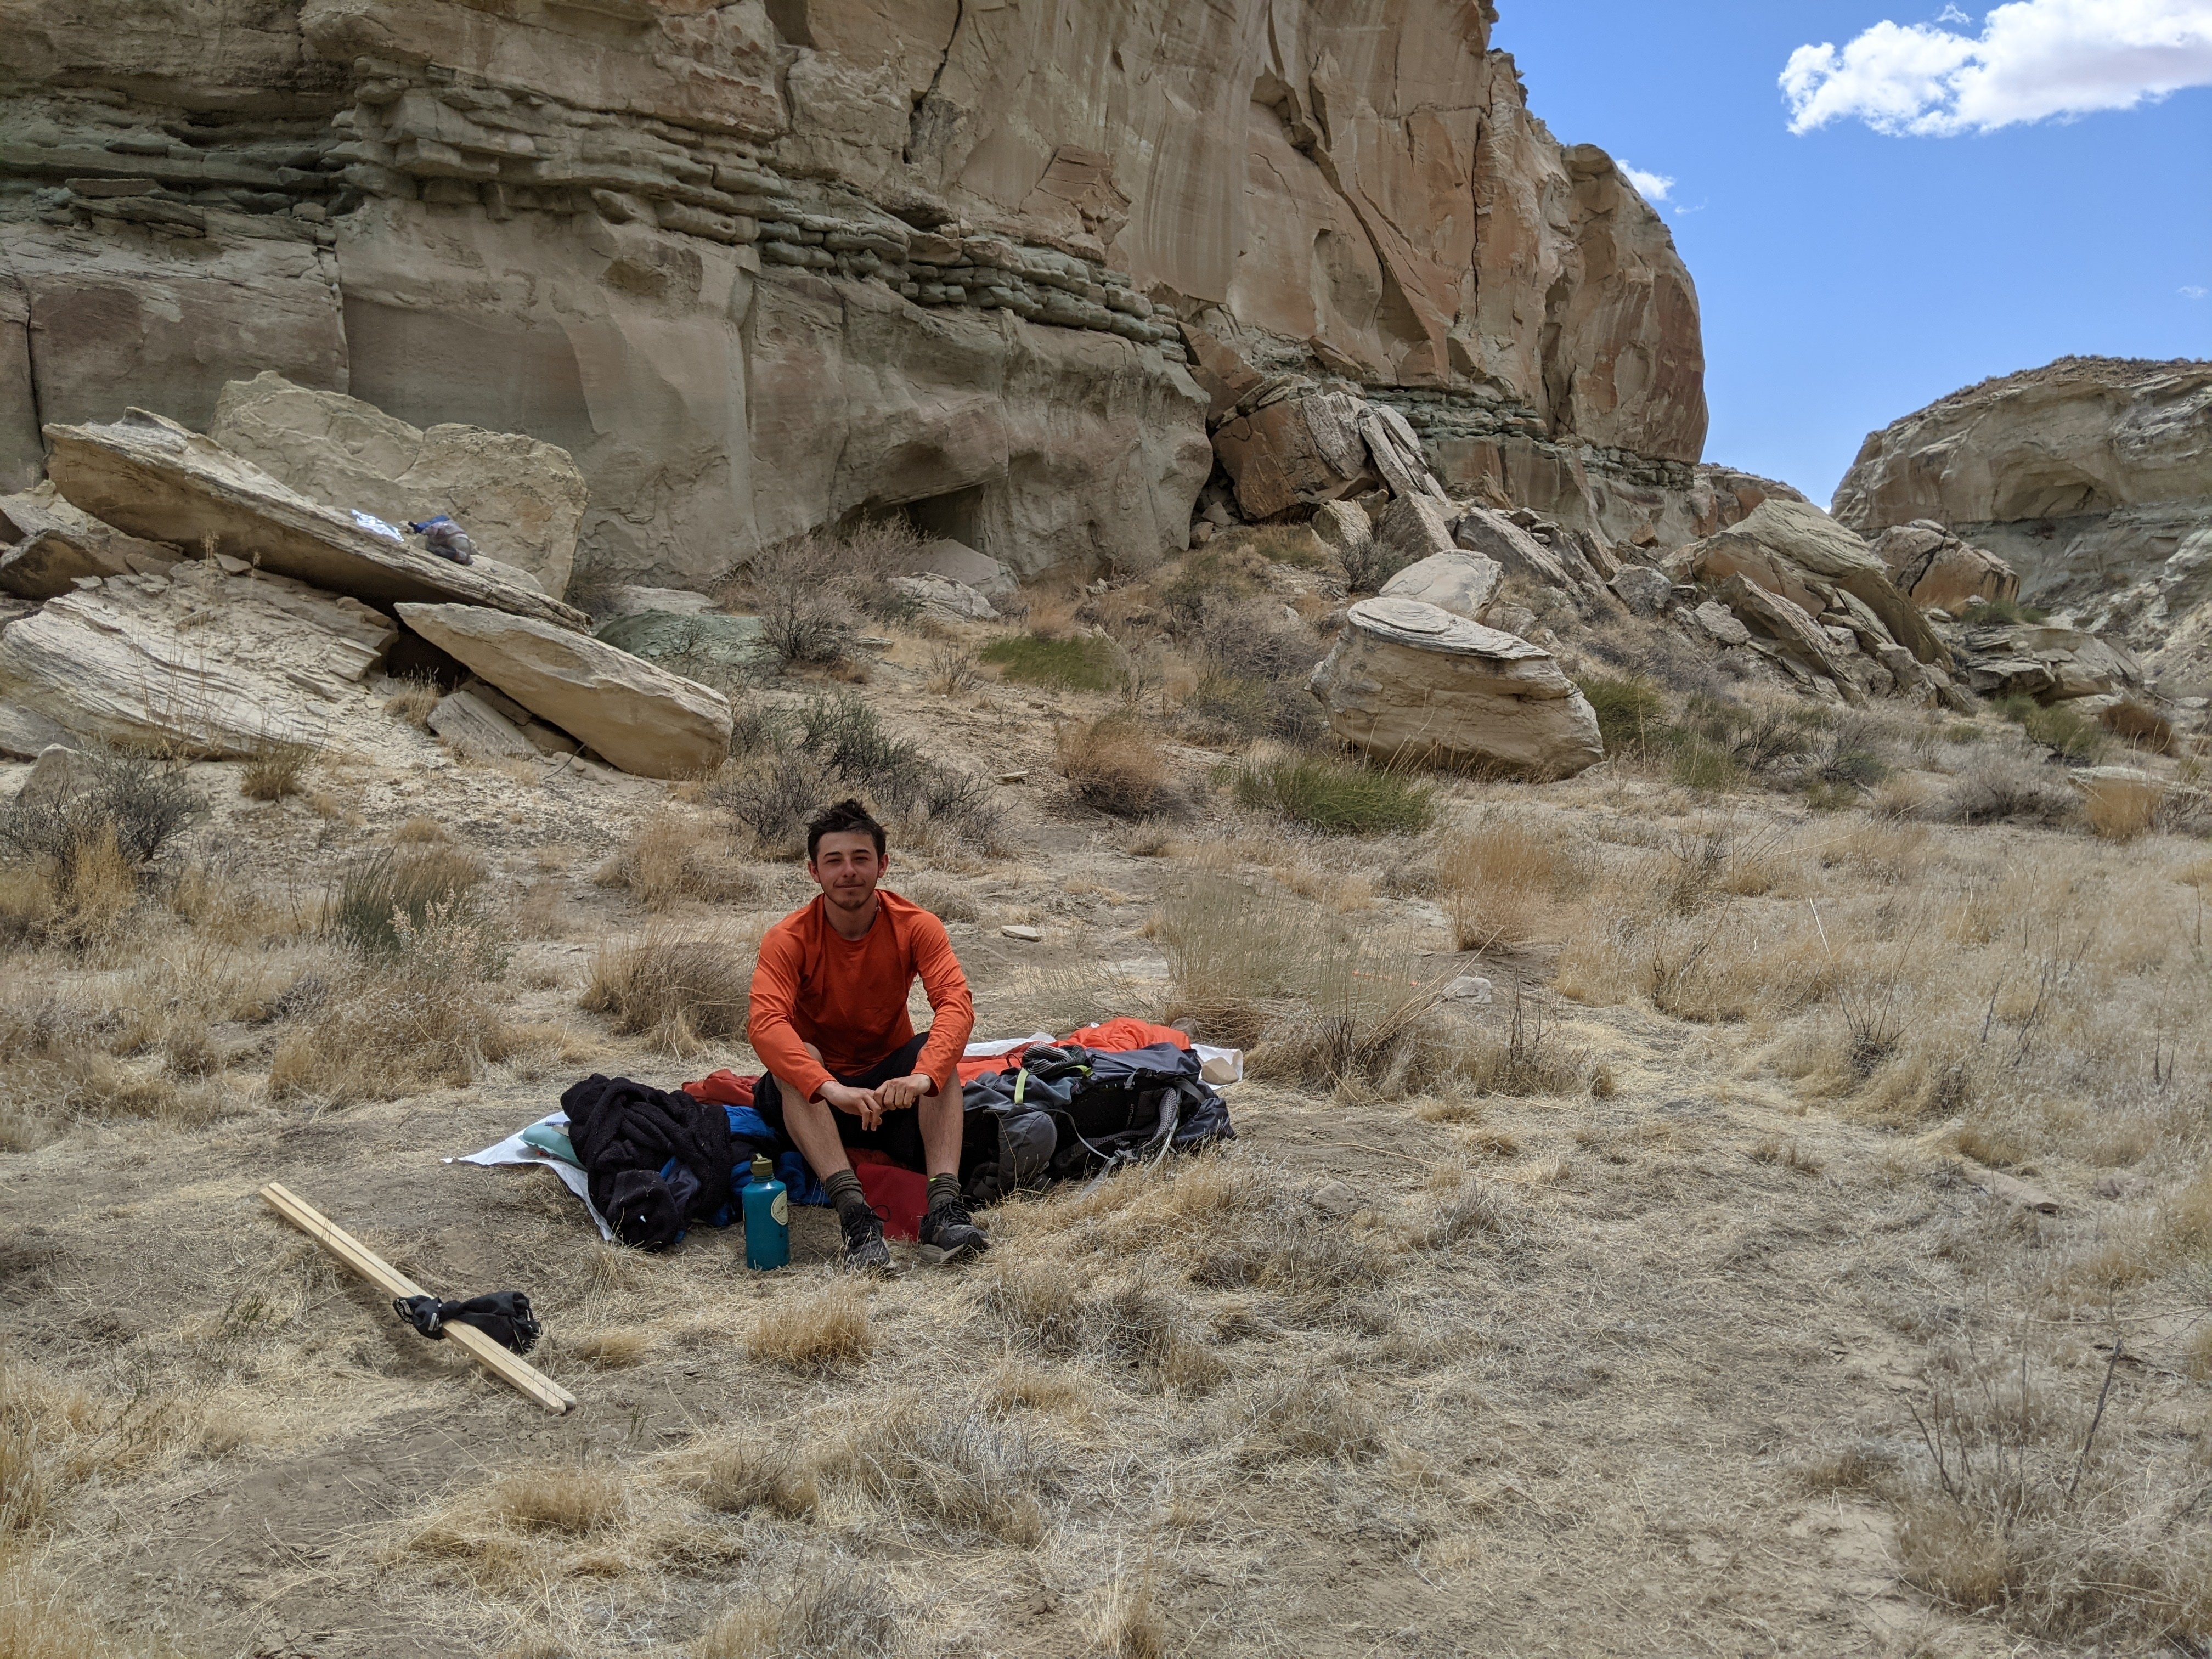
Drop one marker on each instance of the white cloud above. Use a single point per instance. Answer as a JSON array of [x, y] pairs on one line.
[[2034, 59], [1651, 186], [2193, 292]]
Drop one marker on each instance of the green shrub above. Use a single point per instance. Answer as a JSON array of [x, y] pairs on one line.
[[1630, 714], [1085, 663], [387, 900], [2065, 728], [2002, 610], [1701, 763], [1337, 796]]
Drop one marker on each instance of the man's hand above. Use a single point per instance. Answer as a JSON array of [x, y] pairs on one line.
[[902, 1092], [863, 1103]]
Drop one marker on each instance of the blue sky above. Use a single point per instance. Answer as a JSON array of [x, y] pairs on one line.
[[1849, 276]]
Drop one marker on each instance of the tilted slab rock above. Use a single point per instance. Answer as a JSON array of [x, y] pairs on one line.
[[1462, 583], [519, 499], [1794, 550], [151, 477], [1344, 530], [472, 727], [221, 665], [1414, 528], [1409, 681], [25, 734], [1793, 631], [641, 719], [56, 542], [1295, 452]]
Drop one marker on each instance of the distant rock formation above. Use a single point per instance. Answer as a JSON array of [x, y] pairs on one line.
[[2091, 478], [763, 265]]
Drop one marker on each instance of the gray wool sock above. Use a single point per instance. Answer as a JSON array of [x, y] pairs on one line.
[[944, 1189], [844, 1190]]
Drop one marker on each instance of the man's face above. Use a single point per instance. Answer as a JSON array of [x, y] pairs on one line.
[[848, 866]]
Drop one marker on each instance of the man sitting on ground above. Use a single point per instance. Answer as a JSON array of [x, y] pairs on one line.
[[846, 1066]]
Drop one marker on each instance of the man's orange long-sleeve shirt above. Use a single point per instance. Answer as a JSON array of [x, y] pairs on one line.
[[848, 997]]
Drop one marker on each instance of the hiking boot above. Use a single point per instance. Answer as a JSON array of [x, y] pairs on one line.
[[865, 1249], [949, 1233]]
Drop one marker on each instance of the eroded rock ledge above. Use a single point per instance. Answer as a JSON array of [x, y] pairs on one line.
[[759, 268]]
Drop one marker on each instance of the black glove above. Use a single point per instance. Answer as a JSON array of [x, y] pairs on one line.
[[504, 1316]]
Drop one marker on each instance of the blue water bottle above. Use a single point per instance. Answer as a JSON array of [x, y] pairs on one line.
[[768, 1218]]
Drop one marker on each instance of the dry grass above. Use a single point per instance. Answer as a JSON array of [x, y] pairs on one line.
[[828, 1609], [40, 1620], [1117, 766], [1502, 879], [274, 768], [413, 698], [2121, 809], [674, 856], [682, 989], [823, 1334]]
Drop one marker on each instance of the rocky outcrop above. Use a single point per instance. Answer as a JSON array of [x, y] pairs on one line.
[[1407, 681], [759, 267], [219, 665], [155, 478], [2091, 478], [520, 501], [640, 718], [53, 543]]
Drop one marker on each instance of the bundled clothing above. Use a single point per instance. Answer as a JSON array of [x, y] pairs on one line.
[[504, 1316], [656, 1161]]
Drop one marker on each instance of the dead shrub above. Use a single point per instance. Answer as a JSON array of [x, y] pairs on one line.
[[673, 856], [810, 587], [1997, 787], [683, 991], [825, 1334], [385, 899], [39, 1619], [828, 1609], [571, 1501], [1116, 766]]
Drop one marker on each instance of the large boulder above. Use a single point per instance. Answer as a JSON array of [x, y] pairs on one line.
[[1793, 634], [155, 478], [640, 718], [2040, 660], [1941, 572], [1462, 583], [216, 664], [519, 499], [1410, 682], [1302, 446]]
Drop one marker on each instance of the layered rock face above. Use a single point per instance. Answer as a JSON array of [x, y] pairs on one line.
[[761, 266], [2091, 478]]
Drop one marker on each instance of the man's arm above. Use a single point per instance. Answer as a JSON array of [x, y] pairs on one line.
[[775, 1037], [953, 1009]]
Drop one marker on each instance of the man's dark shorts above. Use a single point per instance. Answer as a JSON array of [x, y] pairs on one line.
[[899, 1136]]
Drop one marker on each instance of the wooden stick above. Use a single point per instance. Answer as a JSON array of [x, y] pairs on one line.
[[509, 1367]]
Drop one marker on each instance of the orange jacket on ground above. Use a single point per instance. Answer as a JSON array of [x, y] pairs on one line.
[[848, 997]]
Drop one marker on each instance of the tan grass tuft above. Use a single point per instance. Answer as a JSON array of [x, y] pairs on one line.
[[683, 991], [826, 1333], [1118, 767], [675, 856], [2121, 809]]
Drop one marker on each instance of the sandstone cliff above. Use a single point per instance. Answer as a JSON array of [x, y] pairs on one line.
[[2092, 475], [758, 266]]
